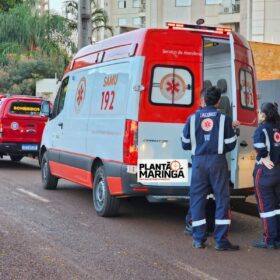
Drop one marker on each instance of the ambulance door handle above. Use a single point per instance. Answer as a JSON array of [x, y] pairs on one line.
[[61, 125], [243, 144]]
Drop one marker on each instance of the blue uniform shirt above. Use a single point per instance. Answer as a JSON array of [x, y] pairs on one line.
[[208, 132], [267, 142]]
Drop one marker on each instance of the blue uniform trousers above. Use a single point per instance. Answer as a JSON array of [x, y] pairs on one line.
[[210, 170], [267, 191]]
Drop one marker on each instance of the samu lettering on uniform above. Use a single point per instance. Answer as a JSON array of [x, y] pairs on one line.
[[208, 114]]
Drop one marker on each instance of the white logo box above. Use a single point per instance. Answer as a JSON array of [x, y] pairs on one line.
[[162, 170]]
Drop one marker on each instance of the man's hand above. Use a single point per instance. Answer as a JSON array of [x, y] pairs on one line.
[[267, 162], [235, 124]]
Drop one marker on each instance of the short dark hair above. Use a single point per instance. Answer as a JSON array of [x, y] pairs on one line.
[[211, 96]]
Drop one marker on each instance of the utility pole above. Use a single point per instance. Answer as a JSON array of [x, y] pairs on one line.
[[84, 23]]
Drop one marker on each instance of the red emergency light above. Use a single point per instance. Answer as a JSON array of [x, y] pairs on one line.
[[224, 30]]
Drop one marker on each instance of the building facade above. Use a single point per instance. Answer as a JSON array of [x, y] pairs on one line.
[[257, 20]]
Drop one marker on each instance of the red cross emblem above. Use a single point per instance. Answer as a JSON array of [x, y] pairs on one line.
[[80, 94], [277, 137], [207, 125], [172, 87], [175, 165]]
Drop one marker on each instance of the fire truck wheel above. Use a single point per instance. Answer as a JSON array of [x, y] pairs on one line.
[[104, 203], [49, 181], [16, 158]]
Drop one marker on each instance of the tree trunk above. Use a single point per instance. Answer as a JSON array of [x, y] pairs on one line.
[[84, 23]]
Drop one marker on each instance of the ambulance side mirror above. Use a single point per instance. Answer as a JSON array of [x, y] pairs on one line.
[[45, 109]]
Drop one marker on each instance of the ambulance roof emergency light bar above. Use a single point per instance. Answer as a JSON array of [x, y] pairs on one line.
[[224, 30]]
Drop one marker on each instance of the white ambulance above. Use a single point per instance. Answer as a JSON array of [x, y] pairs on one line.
[[127, 98]]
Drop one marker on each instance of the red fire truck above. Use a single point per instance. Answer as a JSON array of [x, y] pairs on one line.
[[21, 126]]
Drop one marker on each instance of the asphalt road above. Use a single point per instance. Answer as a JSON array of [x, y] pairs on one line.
[[57, 235]]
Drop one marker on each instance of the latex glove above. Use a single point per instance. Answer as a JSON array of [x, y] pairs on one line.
[[267, 162], [235, 124]]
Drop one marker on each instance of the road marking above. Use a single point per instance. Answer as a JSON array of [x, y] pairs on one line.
[[33, 195], [83, 224], [194, 271]]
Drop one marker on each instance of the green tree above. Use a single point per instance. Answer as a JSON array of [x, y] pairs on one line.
[[32, 47], [99, 17], [20, 75], [23, 31], [5, 5]]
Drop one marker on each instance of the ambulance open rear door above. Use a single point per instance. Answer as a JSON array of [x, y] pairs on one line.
[[244, 109]]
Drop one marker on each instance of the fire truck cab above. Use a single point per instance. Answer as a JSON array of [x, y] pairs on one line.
[[21, 126], [128, 97]]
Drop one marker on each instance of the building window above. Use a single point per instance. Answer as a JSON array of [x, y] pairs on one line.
[[183, 3], [137, 21], [171, 86], [122, 21], [213, 2], [137, 4], [121, 4]]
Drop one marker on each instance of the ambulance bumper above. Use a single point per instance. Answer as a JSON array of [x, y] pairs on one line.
[[160, 190], [130, 186]]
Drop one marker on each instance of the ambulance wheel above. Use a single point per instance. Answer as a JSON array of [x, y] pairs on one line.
[[16, 158], [49, 181], [104, 203]]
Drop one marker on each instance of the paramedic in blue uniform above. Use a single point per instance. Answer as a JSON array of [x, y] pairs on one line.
[[209, 134], [267, 175], [210, 206]]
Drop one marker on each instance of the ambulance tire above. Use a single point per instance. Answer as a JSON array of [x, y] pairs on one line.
[[16, 158], [49, 181], [104, 203]]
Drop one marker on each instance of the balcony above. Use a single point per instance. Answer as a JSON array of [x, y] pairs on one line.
[[142, 11], [229, 12], [234, 8]]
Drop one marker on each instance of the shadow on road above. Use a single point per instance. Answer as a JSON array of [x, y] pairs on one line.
[[136, 207], [22, 165], [139, 207]]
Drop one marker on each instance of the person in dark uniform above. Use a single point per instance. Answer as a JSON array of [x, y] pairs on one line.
[[210, 204], [267, 175], [209, 213], [209, 134]]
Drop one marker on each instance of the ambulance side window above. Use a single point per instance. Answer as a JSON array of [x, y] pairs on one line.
[[246, 89], [60, 98], [171, 86]]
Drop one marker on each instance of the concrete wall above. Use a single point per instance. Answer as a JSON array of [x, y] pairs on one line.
[[47, 88], [272, 21], [269, 91]]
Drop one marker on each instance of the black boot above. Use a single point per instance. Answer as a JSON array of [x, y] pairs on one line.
[[264, 245], [226, 247]]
